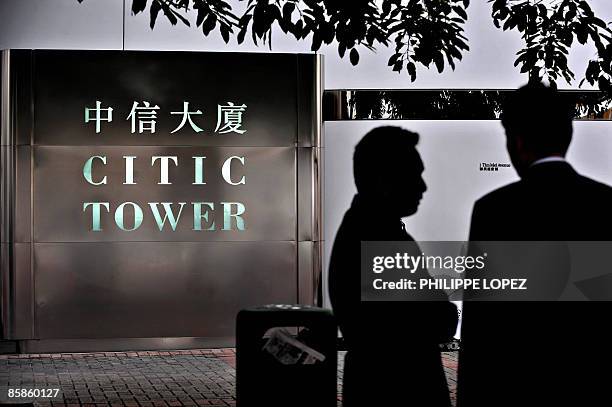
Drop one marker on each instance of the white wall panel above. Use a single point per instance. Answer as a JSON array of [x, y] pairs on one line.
[[452, 152], [62, 24]]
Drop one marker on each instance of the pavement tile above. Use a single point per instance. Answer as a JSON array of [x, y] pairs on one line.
[[198, 377]]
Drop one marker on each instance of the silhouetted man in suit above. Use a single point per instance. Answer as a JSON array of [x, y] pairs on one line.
[[538, 353], [393, 355]]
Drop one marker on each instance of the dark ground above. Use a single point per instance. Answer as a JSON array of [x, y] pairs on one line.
[[204, 377]]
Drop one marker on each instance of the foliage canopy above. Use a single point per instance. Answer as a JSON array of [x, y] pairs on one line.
[[422, 32]]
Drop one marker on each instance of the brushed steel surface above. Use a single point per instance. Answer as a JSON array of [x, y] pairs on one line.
[[60, 191], [317, 119], [5, 292], [166, 289], [6, 193], [317, 201], [306, 279], [310, 94], [22, 67], [305, 193], [66, 287], [16, 118], [266, 83], [309, 224], [17, 294], [23, 295], [5, 99], [310, 269], [15, 190], [317, 270], [7, 153], [309, 193], [123, 344], [22, 227]]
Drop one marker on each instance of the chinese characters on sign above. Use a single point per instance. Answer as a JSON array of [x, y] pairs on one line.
[[229, 118], [187, 117], [98, 118], [143, 118], [145, 115]]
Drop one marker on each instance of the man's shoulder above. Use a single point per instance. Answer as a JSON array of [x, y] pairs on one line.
[[500, 195], [578, 195], [595, 188]]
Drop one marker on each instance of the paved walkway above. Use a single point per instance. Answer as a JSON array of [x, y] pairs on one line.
[[177, 378]]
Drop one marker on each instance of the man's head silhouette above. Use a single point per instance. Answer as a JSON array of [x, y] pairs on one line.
[[388, 171], [538, 123]]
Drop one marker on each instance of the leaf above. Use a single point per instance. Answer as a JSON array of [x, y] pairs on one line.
[[604, 84], [439, 61], [461, 12], [497, 6], [224, 33], [137, 5], [244, 25], [183, 19], [317, 40], [582, 34], [411, 68], [273, 13], [300, 32], [202, 13], [241, 35], [209, 24], [449, 59], [288, 9], [169, 13], [598, 22], [155, 9], [386, 7], [509, 24], [354, 56], [342, 50], [542, 10], [328, 33], [455, 53]]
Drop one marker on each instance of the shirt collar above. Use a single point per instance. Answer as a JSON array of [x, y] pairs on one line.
[[550, 159]]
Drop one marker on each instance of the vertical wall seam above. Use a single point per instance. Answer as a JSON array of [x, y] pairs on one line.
[[123, 27], [298, 268], [6, 195], [31, 63]]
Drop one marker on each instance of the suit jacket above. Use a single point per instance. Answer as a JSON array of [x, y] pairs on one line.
[[538, 353], [393, 354]]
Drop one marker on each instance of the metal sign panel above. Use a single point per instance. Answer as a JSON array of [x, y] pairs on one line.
[[154, 194]]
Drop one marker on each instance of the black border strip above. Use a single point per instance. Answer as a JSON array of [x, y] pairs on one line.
[[444, 104]]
